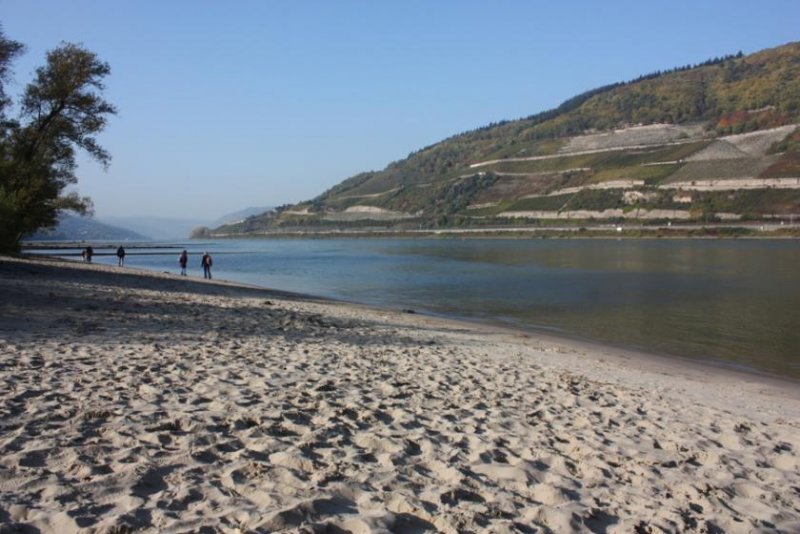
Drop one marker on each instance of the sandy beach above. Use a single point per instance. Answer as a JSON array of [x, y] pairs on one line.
[[136, 401]]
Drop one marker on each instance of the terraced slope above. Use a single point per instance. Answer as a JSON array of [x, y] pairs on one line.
[[718, 140], [694, 178]]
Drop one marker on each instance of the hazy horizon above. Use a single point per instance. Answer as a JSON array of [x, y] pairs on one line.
[[260, 103]]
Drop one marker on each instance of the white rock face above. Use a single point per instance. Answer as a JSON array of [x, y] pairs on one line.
[[651, 134]]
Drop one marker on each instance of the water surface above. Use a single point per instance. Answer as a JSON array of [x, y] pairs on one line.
[[730, 302]]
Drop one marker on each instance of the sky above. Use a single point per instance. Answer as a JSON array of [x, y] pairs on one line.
[[226, 105]]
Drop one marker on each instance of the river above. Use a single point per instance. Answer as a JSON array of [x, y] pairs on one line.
[[734, 303]]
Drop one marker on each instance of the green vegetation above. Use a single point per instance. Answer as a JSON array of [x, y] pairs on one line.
[[788, 166], [732, 94], [720, 169], [587, 199], [752, 203], [516, 149], [650, 174], [488, 212], [790, 143], [550, 203], [608, 165], [596, 199], [61, 111], [453, 197], [200, 232]]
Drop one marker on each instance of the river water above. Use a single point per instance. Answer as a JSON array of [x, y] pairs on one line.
[[734, 303]]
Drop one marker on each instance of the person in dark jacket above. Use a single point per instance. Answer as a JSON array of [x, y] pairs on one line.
[[121, 256], [206, 262], [183, 260]]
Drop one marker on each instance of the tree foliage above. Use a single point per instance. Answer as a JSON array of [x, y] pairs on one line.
[[8, 51], [60, 112]]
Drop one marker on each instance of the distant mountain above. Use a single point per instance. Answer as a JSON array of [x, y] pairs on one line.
[[711, 141], [159, 228], [76, 228], [241, 215]]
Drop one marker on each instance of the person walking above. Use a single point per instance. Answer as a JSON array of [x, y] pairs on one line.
[[87, 254], [183, 260], [206, 262], [120, 256]]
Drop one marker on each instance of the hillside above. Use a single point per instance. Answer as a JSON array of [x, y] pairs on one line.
[[239, 215], [704, 142], [75, 228], [160, 228]]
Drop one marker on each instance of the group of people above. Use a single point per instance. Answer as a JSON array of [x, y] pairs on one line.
[[183, 260], [205, 262], [88, 252]]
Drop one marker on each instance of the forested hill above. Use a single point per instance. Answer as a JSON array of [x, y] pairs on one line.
[[74, 228], [703, 141]]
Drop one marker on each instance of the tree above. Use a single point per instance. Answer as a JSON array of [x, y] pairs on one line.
[[200, 232], [8, 51], [61, 111]]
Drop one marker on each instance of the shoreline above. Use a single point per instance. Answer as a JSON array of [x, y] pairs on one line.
[[676, 363], [723, 232], [758, 230], [650, 360], [701, 365], [145, 401]]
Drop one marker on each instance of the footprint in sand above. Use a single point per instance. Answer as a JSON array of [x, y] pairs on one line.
[[310, 511]]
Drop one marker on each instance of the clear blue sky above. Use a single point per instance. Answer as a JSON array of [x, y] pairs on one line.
[[225, 105]]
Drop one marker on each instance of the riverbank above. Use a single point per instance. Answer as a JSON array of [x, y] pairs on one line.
[[138, 400], [546, 230]]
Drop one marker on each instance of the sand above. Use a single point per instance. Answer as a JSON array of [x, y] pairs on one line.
[[136, 401]]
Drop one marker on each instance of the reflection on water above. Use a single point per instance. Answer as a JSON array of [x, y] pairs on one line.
[[736, 302]]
